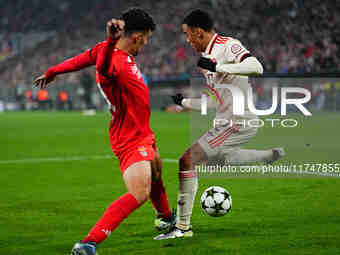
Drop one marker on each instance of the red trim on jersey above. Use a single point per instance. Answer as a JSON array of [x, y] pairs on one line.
[[222, 139], [215, 93], [220, 135], [225, 134], [212, 45], [221, 39], [244, 56]]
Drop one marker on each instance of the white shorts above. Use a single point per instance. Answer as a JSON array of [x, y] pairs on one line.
[[220, 140]]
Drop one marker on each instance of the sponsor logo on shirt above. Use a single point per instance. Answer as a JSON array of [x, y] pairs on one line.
[[142, 151]]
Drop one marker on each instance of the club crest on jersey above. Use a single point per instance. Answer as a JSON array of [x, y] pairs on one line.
[[136, 71], [142, 151], [235, 48]]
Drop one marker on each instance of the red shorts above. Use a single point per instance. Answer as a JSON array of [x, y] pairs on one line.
[[142, 151]]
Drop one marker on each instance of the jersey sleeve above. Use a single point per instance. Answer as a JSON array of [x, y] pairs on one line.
[[83, 60], [235, 51]]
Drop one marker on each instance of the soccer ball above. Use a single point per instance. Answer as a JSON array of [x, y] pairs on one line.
[[216, 201]]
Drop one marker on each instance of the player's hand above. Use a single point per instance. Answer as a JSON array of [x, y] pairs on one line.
[[207, 63], [178, 98], [114, 28], [42, 81]]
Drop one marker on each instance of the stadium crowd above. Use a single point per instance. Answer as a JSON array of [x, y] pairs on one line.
[[287, 36]]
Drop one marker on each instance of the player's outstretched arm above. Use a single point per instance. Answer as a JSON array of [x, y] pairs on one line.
[[249, 65], [43, 82], [114, 29], [83, 60], [191, 103]]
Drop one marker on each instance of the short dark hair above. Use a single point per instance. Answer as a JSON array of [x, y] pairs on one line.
[[199, 18], [137, 20]]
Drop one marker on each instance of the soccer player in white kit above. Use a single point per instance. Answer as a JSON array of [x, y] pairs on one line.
[[225, 63]]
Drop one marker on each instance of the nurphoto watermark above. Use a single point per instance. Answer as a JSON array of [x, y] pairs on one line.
[[239, 102]]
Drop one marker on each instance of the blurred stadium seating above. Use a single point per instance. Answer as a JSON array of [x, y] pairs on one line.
[[287, 36]]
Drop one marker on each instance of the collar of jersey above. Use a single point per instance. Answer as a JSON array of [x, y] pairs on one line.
[[210, 45], [124, 52]]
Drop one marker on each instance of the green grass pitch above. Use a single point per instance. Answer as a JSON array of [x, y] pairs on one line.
[[57, 178]]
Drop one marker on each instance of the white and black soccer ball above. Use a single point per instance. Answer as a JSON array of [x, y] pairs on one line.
[[216, 201]]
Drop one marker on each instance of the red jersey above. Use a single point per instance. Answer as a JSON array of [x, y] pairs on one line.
[[122, 85]]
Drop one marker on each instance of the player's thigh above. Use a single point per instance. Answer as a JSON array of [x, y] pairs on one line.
[[230, 147], [156, 167], [212, 140], [217, 140], [193, 156], [239, 137], [137, 178]]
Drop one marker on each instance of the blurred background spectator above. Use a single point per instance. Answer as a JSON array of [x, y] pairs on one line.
[[286, 35]]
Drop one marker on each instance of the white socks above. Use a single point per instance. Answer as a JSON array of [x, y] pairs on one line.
[[186, 198], [188, 181]]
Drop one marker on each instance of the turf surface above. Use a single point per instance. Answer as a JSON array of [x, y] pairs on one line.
[[57, 178]]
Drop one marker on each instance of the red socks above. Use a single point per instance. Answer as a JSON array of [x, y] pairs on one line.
[[113, 216], [123, 207], [159, 199]]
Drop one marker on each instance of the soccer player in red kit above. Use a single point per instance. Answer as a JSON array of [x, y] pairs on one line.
[[131, 138]]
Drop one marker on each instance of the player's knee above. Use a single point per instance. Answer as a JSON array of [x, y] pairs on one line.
[[145, 195], [192, 157], [184, 162], [142, 194]]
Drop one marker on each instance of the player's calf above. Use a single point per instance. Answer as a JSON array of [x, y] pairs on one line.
[[158, 196], [188, 184]]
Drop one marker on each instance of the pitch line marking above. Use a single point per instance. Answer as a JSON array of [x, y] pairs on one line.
[[97, 157], [72, 158]]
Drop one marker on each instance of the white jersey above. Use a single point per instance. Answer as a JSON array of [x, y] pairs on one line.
[[227, 50]]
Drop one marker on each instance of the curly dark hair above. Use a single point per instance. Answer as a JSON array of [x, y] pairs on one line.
[[199, 18], [137, 20]]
